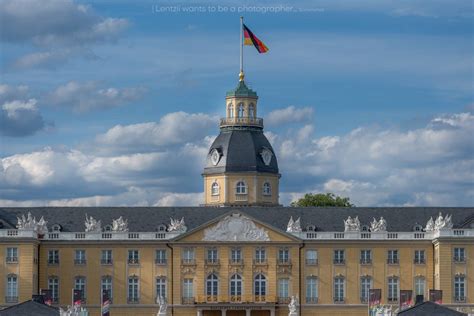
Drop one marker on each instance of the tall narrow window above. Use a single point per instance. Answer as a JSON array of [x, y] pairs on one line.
[[365, 285], [212, 285], [212, 256], [419, 257], [188, 255], [392, 257], [365, 256], [53, 257], [133, 257], [160, 256], [251, 111], [53, 286], [283, 288], [133, 290], [188, 291], [80, 256], [12, 255], [241, 110], [241, 188], [339, 289], [12, 288], [393, 289], [106, 284], [215, 188], [235, 287], [459, 288], [260, 255], [80, 284], [283, 255], [267, 189], [459, 255], [311, 257], [231, 110], [235, 255], [311, 290], [160, 287], [339, 256], [419, 286], [106, 257], [260, 287]]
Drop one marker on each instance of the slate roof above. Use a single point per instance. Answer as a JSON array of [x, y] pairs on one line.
[[30, 308], [147, 219], [241, 91], [240, 151], [430, 308]]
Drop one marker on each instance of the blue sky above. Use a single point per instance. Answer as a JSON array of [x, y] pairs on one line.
[[103, 102]]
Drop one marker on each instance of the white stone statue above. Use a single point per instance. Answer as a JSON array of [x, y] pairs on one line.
[[92, 225], [430, 225], [378, 226], [41, 226], [177, 226], [294, 226], [293, 306], [439, 224], [352, 224], [73, 311], [120, 225], [161, 300], [235, 227], [29, 223]]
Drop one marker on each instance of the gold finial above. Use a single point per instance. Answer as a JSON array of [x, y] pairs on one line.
[[241, 76]]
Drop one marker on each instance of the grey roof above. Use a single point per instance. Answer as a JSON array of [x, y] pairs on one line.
[[30, 308], [430, 308], [147, 219], [242, 91], [240, 150]]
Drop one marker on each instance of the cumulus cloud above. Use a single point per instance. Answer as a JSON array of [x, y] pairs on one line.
[[87, 96], [289, 114], [64, 27]]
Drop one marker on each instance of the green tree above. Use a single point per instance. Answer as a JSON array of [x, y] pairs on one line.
[[321, 199]]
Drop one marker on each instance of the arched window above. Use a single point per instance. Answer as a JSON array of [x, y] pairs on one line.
[[80, 284], [212, 284], [251, 111], [241, 110], [267, 188], [241, 188], [236, 285], [230, 110], [215, 188], [260, 285]]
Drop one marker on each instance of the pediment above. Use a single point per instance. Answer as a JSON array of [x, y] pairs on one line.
[[236, 227]]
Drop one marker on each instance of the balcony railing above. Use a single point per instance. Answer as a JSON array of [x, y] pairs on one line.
[[339, 300], [53, 262], [460, 299], [283, 299], [188, 261], [241, 121], [339, 261], [259, 261], [105, 261], [392, 261], [188, 300], [12, 259], [133, 300], [365, 261], [212, 262], [241, 197], [11, 299], [419, 261], [312, 261], [363, 300], [311, 300], [160, 261], [459, 259], [133, 261], [80, 261], [392, 299], [236, 261], [284, 262]]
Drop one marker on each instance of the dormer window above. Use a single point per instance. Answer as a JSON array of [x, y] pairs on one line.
[[162, 228], [241, 188], [267, 189], [215, 188], [365, 228], [310, 228], [417, 228], [56, 228], [107, 228]]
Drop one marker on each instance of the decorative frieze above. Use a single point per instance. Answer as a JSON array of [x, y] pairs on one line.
[[235, 227]]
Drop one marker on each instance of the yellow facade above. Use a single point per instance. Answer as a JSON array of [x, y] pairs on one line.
[[438, 270]]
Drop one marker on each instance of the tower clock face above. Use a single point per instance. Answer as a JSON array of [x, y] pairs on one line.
[[266, 156], [215, 157]]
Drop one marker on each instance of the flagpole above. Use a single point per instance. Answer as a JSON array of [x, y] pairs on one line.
[[241, 74]]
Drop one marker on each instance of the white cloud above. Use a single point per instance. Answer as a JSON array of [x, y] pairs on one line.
[[87, 96], [289, 114]]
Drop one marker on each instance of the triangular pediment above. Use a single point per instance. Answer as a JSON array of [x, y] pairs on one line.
[[236, 226]]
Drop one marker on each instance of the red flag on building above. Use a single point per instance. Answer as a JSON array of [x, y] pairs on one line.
[[76, 297], [375, 297], [436, 296], [406, 299], [105, 307]]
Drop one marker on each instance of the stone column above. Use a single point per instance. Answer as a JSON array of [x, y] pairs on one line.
[[224, 312], [272, 312], [247, 312], [199, 312]]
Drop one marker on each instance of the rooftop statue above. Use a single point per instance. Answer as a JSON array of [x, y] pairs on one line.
[[294, 226], [120, 225], [29, 223], [92, 225], [378, 226], [352, 224], [439, 224], [177, 226]]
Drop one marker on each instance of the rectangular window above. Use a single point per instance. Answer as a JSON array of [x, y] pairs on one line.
[[283, 287], [160, 256], [53, 256], [459, 289], [419, 286], [338, 290], [80, 257], [133, 290], [106, 257], [392, 256], [339, 257], [392, 289], [106, 284], [365, 256], [419, 257], [236, 255], [311, 290], [260, 255], [212, 256], [53, 286], [188, 291], [365, 285], [80, 284], [311, 257], [160, 287], [12, 289], [188, 255], [459, 255], [12, 255], [283, 255], [133, 257]]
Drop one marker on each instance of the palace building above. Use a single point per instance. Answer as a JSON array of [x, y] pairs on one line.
[[241, 253]]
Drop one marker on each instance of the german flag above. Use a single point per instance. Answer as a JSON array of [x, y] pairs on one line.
[[251, 39]]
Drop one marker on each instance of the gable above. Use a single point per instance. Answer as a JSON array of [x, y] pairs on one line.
[[236, 227]]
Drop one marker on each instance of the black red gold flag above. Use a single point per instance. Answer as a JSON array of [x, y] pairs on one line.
[[251, 39]]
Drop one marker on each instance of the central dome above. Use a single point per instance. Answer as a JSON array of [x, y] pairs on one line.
[[241, 151]]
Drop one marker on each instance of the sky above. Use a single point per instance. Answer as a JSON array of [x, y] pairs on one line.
[[117, 102]]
